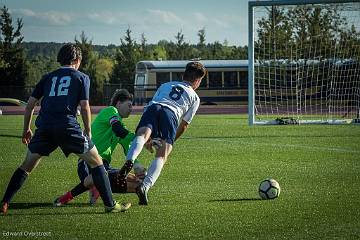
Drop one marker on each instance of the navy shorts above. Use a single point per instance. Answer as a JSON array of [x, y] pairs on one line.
[[70, 140], [84, 169], [161, 120]]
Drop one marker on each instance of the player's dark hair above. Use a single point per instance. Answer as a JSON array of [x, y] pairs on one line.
[[193, 71], [68, 54], [120, 95]]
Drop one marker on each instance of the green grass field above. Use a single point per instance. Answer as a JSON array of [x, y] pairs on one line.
[[208, 187]]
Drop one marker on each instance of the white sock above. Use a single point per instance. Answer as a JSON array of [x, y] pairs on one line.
[[153, 172], [135, 148]]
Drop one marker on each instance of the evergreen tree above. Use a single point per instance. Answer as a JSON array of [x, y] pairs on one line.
[[158, 52], [180, 47], [274, 34], [125, 62], [201, 46], [144, 50], [13, 68], [88, 66]]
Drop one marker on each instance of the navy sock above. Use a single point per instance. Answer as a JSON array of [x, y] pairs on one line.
[[102, 184], [78, 189], [16, 181]]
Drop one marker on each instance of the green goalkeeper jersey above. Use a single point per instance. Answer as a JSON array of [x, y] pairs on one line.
[[103, 136]]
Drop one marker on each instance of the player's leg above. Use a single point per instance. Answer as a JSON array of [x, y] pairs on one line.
[[142, 136], [101, 181], [40, 145], [166, 127], [93, 192], [132, 182], [99, 176], [144, 130], [117, 182], [83, 171], [18, 178], [72, 140], [153, 172], [157, 164]]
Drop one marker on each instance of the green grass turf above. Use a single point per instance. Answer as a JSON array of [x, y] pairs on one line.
[[208, 187]]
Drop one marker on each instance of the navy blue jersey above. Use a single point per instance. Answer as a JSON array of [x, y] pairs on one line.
[[61, 92]]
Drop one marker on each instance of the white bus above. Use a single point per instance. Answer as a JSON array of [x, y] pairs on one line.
[[225, 83]]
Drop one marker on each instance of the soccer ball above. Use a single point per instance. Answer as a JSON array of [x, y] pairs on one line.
[[269, 189]]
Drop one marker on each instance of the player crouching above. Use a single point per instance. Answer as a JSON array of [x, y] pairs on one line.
[[118, 183]]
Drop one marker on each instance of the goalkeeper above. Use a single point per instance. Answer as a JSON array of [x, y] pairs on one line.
[[108, 131]]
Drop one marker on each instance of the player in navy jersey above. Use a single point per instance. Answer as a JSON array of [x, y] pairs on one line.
[[165, 119], [60, 92]]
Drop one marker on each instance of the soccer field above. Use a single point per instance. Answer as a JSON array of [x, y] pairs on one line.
[[208, 187]]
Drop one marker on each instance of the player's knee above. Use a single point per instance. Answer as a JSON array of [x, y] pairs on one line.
[[92, 158], [144, 131], [95, 161], [30, 162], [88, 182]]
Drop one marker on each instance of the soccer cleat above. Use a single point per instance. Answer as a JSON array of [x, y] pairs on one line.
[[117, 207], [62, 200], [4, 208], [93, 195], [142, 192]]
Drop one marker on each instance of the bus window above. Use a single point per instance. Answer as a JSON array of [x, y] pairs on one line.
[[140, 80], [203, 83], [215, 79], [162, 77], [230, 79], [243, 75], [177, 76]]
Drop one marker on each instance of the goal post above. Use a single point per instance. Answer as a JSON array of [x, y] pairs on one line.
[[304, 62]]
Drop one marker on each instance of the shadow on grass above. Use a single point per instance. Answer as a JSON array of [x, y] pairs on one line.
[[10, 136], [43, 205], [86, 209], [236, 200]]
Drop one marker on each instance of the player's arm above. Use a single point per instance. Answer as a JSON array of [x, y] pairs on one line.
[[188, 116], [29, 111], [181, 129], [86, 116], [119, 129]]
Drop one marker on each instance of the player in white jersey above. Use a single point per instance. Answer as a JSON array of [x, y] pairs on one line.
[[164, 120], [180, 97]]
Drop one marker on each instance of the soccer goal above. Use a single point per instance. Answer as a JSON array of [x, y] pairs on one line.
[[304, 62]]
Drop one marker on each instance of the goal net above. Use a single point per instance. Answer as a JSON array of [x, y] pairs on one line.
[[304, 62]]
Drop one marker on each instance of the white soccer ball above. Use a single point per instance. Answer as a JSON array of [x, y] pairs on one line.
[[269, 189]]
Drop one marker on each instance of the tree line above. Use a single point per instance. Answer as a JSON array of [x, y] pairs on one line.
[[303, 41], [23, 63], [308, 32], [301, 32]]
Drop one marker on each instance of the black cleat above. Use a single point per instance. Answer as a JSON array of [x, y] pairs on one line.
[[142, 192]]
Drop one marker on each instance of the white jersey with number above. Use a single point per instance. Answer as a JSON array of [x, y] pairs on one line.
[[180, 97]]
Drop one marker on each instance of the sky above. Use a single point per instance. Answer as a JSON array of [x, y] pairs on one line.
[[105, 21]]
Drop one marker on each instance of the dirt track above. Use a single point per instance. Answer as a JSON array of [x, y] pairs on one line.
[[7, 110]]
